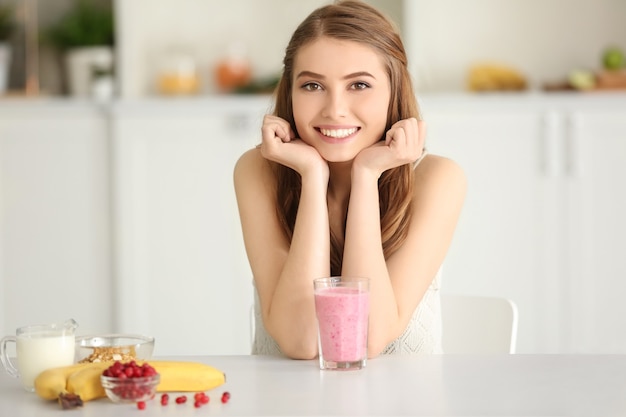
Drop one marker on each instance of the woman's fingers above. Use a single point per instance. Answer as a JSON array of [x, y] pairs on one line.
[[406, 139], [275, 131], [280, 145], [275, 127]]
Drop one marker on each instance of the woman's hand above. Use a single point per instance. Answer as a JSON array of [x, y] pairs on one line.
[[404, 144], [280, 145]]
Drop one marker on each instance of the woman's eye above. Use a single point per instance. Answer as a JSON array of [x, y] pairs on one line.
[[360, 86], [312, 86]]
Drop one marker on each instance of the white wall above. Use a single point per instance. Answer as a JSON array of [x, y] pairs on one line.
[[148, 29], [543, 38], [151, 28]]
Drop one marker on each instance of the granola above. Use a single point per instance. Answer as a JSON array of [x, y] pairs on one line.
[[111, 353]]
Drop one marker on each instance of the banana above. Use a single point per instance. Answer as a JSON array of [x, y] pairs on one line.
[[84, 380], [187, 376], [50, 383]]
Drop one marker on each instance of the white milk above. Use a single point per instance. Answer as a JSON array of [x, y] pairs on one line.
[[41, 351]]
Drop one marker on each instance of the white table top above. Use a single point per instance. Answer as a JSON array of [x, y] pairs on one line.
[[434, 385]]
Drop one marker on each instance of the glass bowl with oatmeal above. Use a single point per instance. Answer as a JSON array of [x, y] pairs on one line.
[[113, 347]]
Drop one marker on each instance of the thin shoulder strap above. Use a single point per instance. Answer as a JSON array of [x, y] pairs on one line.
[[418, 160]]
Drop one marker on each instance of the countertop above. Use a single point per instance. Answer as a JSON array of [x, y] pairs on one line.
[[434, 385]]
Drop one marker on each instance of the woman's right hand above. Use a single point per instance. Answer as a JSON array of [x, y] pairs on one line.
[[280, 145]]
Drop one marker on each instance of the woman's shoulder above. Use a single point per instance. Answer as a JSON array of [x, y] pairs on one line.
[[252, 164], [440, 171], [439, 165], [253, 176]]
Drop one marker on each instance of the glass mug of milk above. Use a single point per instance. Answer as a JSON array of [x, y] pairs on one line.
[[39, 347]]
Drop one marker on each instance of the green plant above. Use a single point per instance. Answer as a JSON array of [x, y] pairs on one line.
[[86, 24], [613, 58], [7, 22]]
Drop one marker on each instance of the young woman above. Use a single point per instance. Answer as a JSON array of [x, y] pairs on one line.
[[341, 185]]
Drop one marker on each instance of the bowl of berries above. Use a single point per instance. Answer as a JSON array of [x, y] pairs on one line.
[[130, 382]]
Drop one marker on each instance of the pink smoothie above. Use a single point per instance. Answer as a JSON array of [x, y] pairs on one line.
[[343, 319]]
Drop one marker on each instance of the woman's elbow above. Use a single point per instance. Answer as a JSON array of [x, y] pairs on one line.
[[375, 349], [299, 350]]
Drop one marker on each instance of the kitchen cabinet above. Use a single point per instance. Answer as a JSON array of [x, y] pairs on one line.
[[54, 215], [596, 267], [507, 222], [123, 216], [543, 221], [182, 273]]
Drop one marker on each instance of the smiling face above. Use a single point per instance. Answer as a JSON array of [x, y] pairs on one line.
[[340, 97]]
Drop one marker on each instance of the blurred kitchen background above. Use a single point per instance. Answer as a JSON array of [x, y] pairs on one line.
[[543, 42], [121, 121]]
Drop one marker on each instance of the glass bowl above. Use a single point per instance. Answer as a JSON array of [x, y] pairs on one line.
[[113, 347], [130, 390]]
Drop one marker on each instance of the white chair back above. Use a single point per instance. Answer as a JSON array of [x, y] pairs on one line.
[[477, 324]]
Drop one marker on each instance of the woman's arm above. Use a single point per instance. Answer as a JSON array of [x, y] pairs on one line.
[[398, 284], [284, 271]]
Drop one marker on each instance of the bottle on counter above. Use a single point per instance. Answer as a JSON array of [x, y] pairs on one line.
[[234, 69], [178, 74]]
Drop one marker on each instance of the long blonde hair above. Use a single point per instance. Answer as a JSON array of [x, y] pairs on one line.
[[358, 22]]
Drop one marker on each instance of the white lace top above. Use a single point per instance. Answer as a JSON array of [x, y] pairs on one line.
[[422, 334]]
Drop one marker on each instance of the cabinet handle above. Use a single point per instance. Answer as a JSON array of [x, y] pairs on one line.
[[573, 146], [549, 157], [238, 122]]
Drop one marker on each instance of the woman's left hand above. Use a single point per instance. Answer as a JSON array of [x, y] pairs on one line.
[[404, 144]]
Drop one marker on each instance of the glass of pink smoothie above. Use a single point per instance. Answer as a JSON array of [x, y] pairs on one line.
[[342, 305]]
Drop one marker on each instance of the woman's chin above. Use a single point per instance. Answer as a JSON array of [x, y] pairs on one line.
[[337, 153], [338, 159]]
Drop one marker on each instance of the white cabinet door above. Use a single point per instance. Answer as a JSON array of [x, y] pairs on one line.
[[505, 243], [182, 273], [54, 216], [597, 239]]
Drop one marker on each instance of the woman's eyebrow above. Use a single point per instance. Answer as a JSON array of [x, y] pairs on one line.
[[346, 77], [358, 74], [309, 74]]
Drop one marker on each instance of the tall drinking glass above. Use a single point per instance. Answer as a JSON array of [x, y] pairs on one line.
[[342, 307]]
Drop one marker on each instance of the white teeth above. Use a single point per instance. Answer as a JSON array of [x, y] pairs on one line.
[[338, 133]]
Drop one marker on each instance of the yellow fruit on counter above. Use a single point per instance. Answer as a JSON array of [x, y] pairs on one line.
[[495, 77], [187, 376], [582, 79], [52, 382], [84, 379], [86, 383]]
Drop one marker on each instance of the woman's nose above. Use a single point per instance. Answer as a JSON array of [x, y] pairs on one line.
[[335, 105]]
